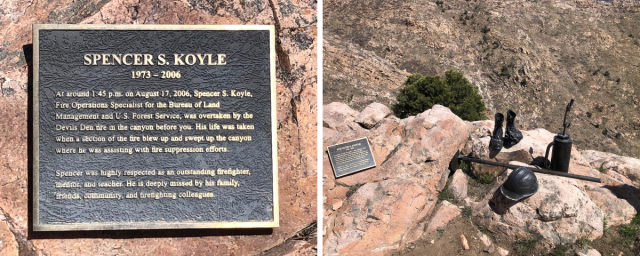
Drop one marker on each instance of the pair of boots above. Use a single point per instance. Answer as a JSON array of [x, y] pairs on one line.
[[511, 138]]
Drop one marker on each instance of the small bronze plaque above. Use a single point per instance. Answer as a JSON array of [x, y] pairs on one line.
[[350, 157], [154, 127]]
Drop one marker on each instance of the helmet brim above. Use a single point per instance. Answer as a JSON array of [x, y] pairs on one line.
[[515, 196]]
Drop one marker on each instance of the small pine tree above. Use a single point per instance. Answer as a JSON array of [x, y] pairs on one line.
[[455, 92]]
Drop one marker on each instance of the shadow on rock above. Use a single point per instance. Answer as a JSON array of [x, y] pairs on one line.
[[500, 204], [539, 161], [626, 192]]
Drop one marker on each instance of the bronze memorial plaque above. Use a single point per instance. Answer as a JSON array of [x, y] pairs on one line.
[[350, 157], [154, 127]]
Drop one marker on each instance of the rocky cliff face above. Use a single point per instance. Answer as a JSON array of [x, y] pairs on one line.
[[390, 208], [296, 112], [382, 210], [529, 56]]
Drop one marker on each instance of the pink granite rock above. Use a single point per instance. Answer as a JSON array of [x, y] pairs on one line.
[[8, 244], [375, 219], [560, 212], [502, 252], [372, 114], [338, 116], [627, 166], [445, 213], [459, 184], [407, 152]]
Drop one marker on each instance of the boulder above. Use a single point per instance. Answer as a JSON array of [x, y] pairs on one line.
[[372, 114], [617, 210], [459, 184], [560, 212], [338, 116], [627, 166], [445, 213], [484, 239], [477, 129], [409, 155], [481, 128], [465, 243], [502, 252], [590, 252], [376, 218]]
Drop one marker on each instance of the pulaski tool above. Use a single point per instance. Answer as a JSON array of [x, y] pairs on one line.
[[455, 164], [561, 147]]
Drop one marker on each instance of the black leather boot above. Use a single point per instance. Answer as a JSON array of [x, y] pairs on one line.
[[512, 135], [496, 139]]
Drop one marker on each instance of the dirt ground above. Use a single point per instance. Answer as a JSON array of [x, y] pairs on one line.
[[447, 241]]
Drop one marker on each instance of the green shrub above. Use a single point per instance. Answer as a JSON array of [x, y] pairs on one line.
[[445, 194], [353, 189], [523, 82], [454, 91], [559, 250], [467, 212], [504, 71], [606, 73], [485, 178], [605, 132], [465, 167], [583, 242], [636, 220], [524, 246], [599, 108], [627, 231]]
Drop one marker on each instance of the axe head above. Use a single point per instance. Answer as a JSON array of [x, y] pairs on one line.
[[455, 162]]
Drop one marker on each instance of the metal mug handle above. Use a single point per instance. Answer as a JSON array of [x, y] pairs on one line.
[[547, 161]]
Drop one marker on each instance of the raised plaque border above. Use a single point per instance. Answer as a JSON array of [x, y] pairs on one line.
[[149, 225], [358, 170]]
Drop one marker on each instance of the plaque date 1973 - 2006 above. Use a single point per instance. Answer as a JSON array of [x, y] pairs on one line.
[[154, 127]]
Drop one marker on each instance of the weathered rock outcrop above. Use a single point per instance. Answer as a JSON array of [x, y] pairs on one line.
[[626, 166], [564, 209], [8, 244], [459, 184], [445, 213], [380, 210], [296, 112], [559, 211], [394, 200]]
